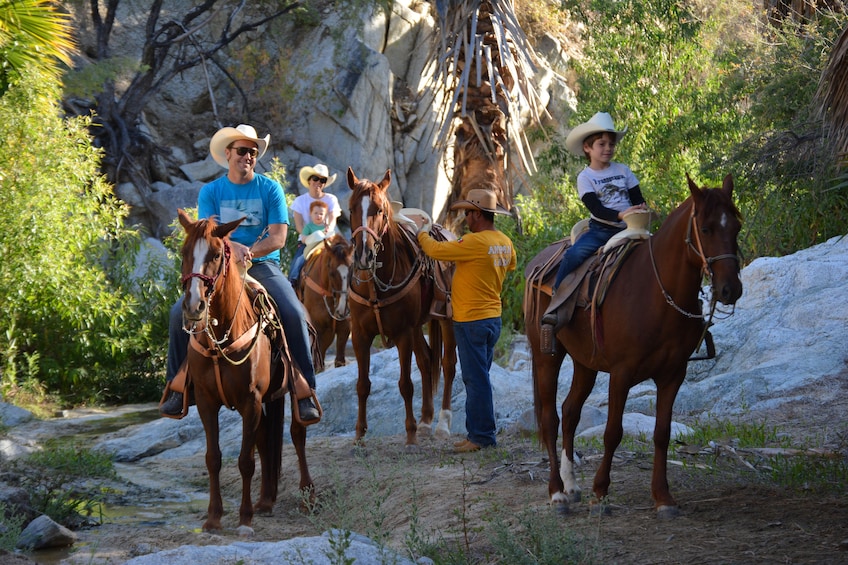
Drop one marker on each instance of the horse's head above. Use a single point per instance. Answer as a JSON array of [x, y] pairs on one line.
[[714, 229], [339, 253], [370, 218], [205, 263]]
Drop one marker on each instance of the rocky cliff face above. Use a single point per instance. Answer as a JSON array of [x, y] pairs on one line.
[[347, 89]]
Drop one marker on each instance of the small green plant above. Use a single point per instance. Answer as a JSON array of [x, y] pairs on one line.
[[812, 473], [536, 536], [56, 479], [10, 528], [737, 434]]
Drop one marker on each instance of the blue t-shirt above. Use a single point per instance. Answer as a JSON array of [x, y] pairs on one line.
[[261, 202]]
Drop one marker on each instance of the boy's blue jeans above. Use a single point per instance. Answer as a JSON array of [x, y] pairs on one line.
[[587, 244], [475, 342], [289, 308]]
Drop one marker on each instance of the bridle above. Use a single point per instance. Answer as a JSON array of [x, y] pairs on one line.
[[371, 268], [331, 296], [207, 280], [210, 281], [706, 268]]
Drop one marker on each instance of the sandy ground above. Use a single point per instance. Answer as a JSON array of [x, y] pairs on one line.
[[731, 511]]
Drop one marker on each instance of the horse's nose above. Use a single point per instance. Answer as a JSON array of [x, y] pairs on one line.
[[730, 292]]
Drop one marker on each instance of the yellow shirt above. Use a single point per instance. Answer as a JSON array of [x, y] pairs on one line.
[[482, 262]]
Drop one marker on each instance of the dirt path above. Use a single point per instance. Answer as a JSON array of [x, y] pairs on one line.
[[731, 510]]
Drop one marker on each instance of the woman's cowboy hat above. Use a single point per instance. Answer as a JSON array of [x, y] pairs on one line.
[[225, 136], [480, 199], [600, 122], [319, 170]]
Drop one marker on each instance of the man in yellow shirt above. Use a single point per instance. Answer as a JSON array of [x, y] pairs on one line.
[[482, 257]]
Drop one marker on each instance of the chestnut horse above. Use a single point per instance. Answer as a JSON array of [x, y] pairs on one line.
[[647, 327], [391, 294], [323, 289], [230, 364]]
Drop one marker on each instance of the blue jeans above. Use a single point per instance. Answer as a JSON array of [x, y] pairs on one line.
[[475, 343], [297, 262], [586, 245], [289, 308]]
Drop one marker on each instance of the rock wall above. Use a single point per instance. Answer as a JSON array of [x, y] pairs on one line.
[[345, 92]]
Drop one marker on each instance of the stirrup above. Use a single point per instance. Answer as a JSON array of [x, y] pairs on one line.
[[547, 339], [550, 318]]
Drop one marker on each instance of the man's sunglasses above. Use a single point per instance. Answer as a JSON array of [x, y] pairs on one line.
[[242, 151], [321, 180]]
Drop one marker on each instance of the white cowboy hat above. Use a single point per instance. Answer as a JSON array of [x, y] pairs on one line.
[[225, 136], [600, 122], [319, 170], [637, 228], [402, 215], [312, 241], [480, 199]]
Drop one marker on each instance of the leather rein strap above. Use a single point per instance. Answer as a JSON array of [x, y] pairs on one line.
[[376, 303]]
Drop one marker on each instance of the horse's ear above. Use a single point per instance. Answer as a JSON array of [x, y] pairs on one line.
[[351, 178], [387, 180], [694, 189], [727, 185], [185, 221], [223, 230]]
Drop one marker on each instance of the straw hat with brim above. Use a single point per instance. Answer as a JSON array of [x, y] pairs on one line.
[[600, 123], [312, 241], [402, 215], [637, 228], [480, 199], [225, 136], [319, 170]]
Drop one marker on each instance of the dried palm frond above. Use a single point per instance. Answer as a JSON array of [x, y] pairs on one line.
[[483, 68], [832, 95]]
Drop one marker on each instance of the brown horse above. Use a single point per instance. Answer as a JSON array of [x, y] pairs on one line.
[[230, 364], [391, 295], [323, 289], [648, 325]]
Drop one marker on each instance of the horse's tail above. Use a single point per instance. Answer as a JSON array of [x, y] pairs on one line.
[[435, 353]]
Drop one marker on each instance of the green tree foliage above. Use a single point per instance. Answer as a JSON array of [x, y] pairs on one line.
[[32, 32], [73, 319], [709, 88]]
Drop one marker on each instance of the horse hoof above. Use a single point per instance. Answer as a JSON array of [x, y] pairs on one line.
[[245, 532], [668, 512], [600, 509], [424, 430], [412, 448], [442, 433], [559, 504]]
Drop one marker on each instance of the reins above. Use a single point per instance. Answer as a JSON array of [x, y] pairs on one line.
[[251, 336], [377, 285], [325, 294], [706, 268]]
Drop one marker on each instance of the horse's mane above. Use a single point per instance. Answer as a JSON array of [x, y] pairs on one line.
[[202, 230], [340, 248]]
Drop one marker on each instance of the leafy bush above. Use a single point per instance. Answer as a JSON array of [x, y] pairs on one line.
[[708, 89], [74, 318]]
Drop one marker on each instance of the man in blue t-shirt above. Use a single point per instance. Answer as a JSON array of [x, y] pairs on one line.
[[242, 193]]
